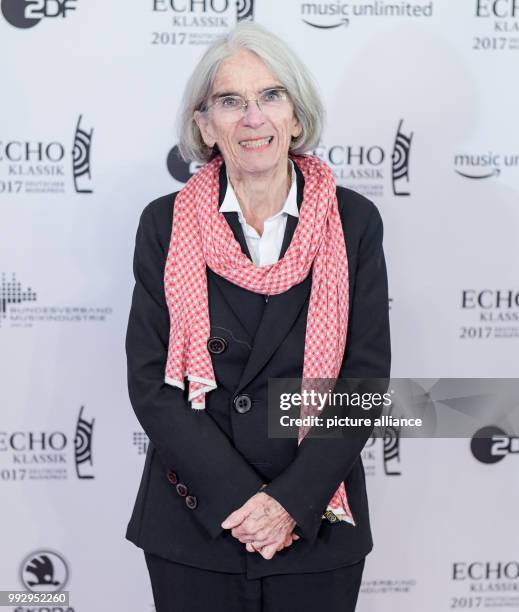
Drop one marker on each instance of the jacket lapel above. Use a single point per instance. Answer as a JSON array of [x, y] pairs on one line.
[[280, 313], [281, 310]]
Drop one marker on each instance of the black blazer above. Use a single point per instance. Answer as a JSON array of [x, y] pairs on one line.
[[221, 456]]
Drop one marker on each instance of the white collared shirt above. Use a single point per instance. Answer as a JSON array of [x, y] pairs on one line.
[[264, 249]]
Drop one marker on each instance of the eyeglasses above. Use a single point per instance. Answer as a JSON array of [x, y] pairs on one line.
[[269, 101]]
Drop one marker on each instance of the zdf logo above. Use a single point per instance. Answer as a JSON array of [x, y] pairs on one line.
[[28, 13], [491, 444]]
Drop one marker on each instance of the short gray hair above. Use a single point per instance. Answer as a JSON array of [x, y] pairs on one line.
[[283, 63]]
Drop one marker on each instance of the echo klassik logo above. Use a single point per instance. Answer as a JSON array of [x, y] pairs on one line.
[[244, 9], [46, 454], [492, 305], [198, 22], [43, 166], [485, 584], [497, 23], [491, 313], [481, 571], [367, 167], [390, 453], [492, 444], [331, 15], [28, 13], [500, 9]]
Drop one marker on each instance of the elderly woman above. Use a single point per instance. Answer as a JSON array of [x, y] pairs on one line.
[[260, 267]]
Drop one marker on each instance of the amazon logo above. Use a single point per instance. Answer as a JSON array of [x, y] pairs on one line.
[[485, 165]]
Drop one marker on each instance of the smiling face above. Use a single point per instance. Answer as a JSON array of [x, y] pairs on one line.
[[253, 142]]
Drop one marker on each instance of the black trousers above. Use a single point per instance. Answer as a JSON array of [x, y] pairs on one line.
[[182, 588]]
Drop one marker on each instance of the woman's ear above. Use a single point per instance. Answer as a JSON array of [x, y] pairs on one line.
[[204, 126], [297, 128]]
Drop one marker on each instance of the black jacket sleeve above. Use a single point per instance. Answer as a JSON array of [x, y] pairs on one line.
[[187, 441], [321, 464]]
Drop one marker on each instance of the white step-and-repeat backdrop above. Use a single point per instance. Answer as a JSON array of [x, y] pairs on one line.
[[422, 103]]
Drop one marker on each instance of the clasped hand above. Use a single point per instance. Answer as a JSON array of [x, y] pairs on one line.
[[262, 524]]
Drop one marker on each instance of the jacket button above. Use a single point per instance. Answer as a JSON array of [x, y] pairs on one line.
[[216, 345], [242, 403], [172, 477], [191, 502], [181, 489]]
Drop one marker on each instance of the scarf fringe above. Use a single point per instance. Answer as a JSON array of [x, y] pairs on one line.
[[209, 385]]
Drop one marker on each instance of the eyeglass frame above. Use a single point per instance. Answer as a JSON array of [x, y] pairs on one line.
[[245, 106]]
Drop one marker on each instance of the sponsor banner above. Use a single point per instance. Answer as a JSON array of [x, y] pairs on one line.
[[47, 165]]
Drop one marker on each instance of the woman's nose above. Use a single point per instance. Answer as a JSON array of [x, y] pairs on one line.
[[253, 116]]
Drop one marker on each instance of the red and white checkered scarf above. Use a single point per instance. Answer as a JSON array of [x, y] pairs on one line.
[[201, 236]]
